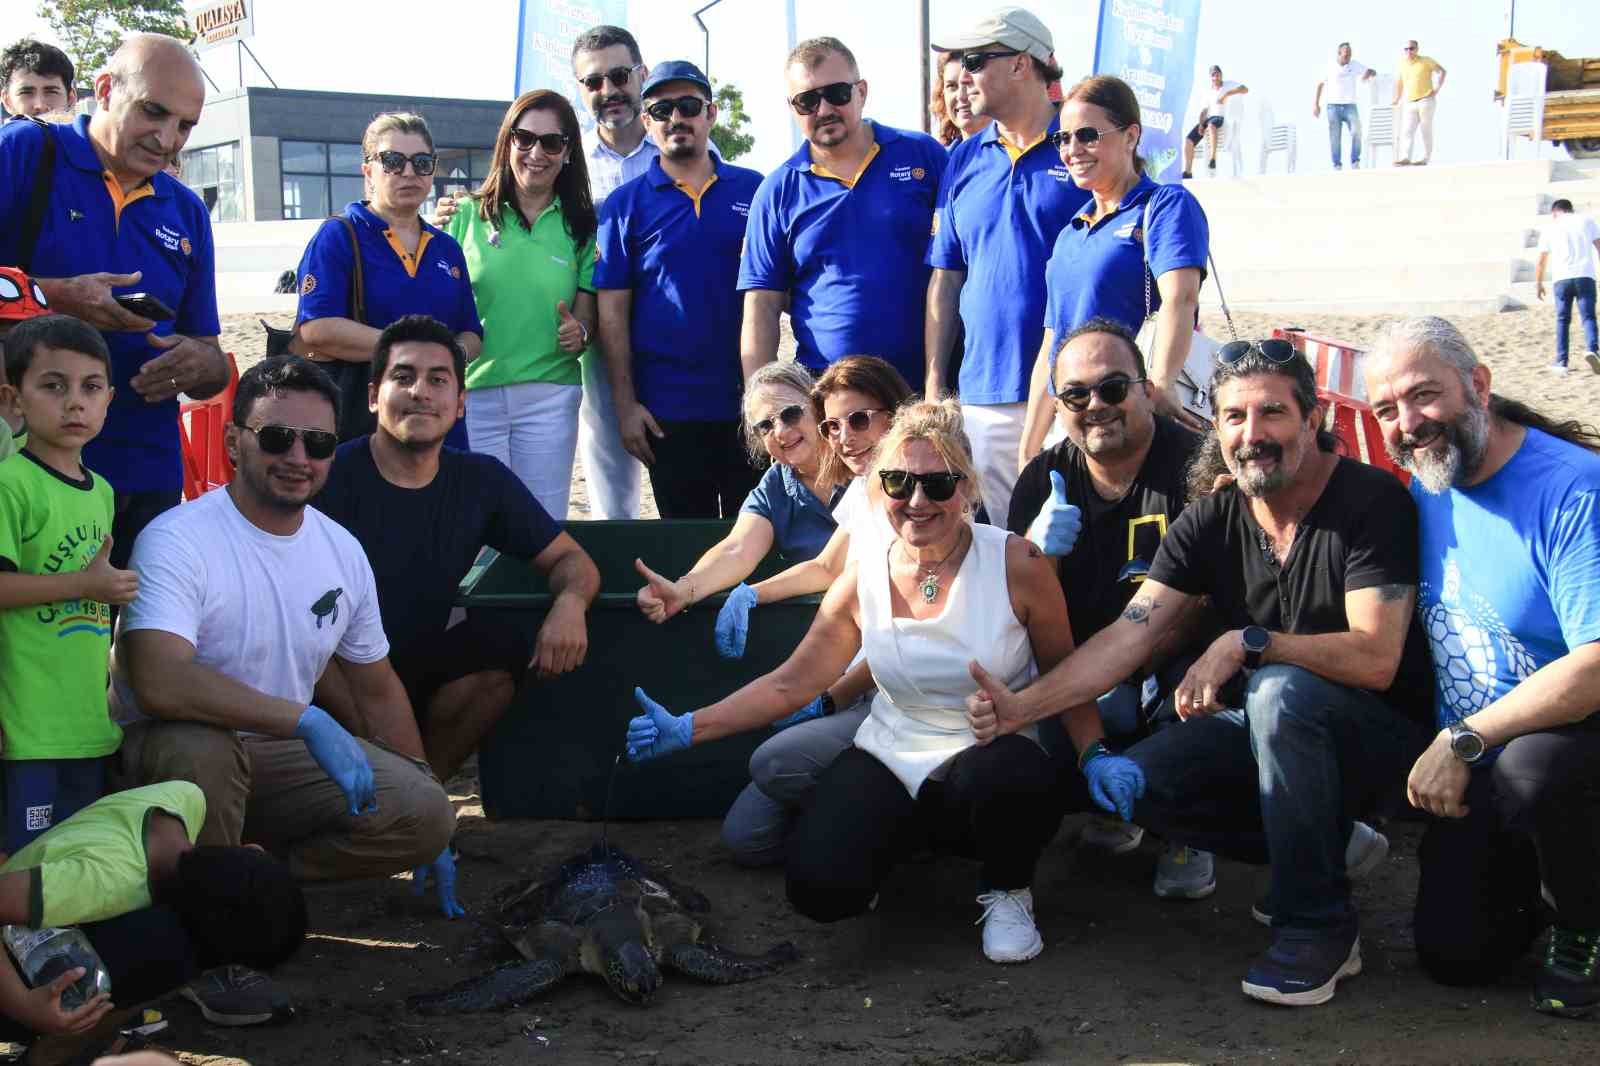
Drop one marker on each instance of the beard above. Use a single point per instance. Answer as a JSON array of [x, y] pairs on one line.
[[616, 121], [1108, 438], [258, 481], [1257, 482], [682, 151], [1464, 439]]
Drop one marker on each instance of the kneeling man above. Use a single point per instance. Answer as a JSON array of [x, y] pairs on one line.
[[1509, 503], [1309, 708]]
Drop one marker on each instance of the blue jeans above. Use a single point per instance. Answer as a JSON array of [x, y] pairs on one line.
[[1581, 290], [1279, 782], [1339, 116]]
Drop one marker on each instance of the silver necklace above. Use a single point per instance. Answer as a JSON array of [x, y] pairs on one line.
[[929, 585]]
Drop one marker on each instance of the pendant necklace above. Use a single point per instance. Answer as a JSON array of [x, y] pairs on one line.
[[929, 586]]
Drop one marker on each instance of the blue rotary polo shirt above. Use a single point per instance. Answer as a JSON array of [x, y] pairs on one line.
[[677, 250], [160, 228], [999, 213], [801, 523], [1098, 270], [850, 250]]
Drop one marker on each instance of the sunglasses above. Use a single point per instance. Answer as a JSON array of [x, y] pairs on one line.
[[422, 163], [838, 94], [900, 484], [972, 62], [552, 143], [790, 416], [617, 76], [1112, 391], [1275, 349], [1085, 135], [277, 440], [687, 106], [858, 421]]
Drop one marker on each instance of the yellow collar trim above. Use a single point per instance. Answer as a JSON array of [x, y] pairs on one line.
[[823, 172]]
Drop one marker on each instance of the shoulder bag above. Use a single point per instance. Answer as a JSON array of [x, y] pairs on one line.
[[1194, 380]]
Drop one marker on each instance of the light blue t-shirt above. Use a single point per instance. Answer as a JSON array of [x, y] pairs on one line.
[[801, 523], [1510, 572]]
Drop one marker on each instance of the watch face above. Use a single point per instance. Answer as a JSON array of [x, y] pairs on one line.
[[1254, 638], [1466, 745]]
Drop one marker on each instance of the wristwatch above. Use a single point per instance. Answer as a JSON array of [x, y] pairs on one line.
[[1254, 640], [828, 706], [1466, 743]]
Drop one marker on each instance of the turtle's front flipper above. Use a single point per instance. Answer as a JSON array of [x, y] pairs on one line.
[[719, 967], [505, 986]]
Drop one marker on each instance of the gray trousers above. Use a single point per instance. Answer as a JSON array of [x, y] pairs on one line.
[[783, 775]]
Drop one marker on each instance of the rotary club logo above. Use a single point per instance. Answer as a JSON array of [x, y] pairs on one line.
[[918, 173], [308, 285], [188, 249]]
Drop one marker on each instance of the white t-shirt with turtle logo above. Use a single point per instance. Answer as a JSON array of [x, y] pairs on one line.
[[267, 611]]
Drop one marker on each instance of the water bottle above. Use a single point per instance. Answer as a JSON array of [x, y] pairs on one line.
[[42, 955]]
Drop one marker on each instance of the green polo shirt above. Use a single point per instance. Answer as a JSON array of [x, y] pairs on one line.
[[518, 277]]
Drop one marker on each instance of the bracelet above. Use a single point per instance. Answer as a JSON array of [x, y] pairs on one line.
[[693, 599], [1091, 753], [828, 706], [584, 331]]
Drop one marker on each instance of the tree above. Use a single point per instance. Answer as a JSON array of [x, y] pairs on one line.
[[730, 119], [90, 30]]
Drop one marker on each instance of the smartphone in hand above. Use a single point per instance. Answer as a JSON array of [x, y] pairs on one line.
[[146, 306]]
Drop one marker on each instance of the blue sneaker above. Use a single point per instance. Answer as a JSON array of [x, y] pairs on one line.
[[1303, 966]]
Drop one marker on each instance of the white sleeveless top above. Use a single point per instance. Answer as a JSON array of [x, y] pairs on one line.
[[918, 721]]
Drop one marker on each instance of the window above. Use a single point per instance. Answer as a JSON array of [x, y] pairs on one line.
[[214, 174], [319, 178], [457, 170]]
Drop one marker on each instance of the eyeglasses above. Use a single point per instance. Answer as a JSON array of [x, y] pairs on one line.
[[838, 94], [617, 76], [972, 62], [687, 106], [1085, 135], [1112, 391], [395, 162], [1276, 349], [552, 143], [900, 484], [858, 421], [790, 416], [277, 440]]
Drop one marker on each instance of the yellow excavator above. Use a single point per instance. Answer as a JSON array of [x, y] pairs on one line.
[[1571, 100]]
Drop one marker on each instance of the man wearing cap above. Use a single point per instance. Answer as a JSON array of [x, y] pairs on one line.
[[1414, 81], [667, 279], [837, 234], [1005, 197]]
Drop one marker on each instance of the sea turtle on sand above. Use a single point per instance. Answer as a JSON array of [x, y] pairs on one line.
[[606, 913]]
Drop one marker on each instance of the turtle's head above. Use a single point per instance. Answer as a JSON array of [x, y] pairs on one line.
[[631, 972]]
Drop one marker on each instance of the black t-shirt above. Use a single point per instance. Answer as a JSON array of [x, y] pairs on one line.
[[421, 542], [1118, 543], [1360, 533]]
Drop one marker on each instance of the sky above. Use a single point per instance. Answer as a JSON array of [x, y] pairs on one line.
[[1278, 49]]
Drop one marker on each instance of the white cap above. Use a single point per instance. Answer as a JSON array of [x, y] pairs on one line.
[[1012, 27]]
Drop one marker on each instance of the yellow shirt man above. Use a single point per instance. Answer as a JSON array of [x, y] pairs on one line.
[[1416, 75]]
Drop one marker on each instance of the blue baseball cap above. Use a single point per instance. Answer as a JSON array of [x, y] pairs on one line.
[[675, 70]]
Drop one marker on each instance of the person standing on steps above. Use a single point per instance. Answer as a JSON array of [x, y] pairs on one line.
[[1337, 92], [1415, 82], [1568, 247]]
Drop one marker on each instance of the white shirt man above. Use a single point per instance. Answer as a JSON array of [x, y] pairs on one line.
[[1568, 247]]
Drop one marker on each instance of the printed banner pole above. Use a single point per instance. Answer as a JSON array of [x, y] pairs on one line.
[[545, 32], [1150, 44]]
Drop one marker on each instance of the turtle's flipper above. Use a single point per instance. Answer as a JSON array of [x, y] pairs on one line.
[[505, 986], [707, 963]]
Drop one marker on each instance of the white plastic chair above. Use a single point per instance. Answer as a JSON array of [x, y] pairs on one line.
[[1380, 121], [1229, 143], [1524, 105], [1276, 138]]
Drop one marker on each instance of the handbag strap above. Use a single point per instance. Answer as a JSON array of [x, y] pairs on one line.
[[38, 199], [358, 288], [1149, 275]]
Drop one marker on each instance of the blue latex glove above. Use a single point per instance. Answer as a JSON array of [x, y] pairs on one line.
[[443, 872], [1115, 781], [804, 714], [1056, 528], [657, 731], [340, 756], [733, 621]]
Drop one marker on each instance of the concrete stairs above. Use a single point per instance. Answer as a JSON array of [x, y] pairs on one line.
[[1453, 239]]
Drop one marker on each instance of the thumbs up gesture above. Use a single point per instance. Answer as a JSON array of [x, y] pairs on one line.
[[104, 583], [660, 599], [571, 334], [992, 710], [1056, 528]]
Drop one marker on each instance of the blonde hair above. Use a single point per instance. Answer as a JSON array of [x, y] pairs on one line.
[[941, 426], [393, 122]]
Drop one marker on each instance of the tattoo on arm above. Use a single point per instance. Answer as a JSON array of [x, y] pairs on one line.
[[1034, 552], [1139, 610], [1392, 593]]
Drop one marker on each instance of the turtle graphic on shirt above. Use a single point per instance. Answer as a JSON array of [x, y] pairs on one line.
[[327, 607], [1470, 643]]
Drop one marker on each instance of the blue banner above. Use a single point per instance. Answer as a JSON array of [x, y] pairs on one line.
[[1150, 45], [545, 32]]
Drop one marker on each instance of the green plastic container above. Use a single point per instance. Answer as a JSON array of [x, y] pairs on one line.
[[553, 752]]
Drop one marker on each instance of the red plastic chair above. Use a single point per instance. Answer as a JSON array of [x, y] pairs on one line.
[[1341, 387], [200, 427]]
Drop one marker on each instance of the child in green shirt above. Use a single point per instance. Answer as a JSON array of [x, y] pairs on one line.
[[55, 579]]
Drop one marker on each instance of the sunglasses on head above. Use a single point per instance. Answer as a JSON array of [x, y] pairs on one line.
[[900, 484], [395, 162], [790, 416], [552, 143], [1112, 391], [1085, 135], [838, 94], [617, 76], [972, 62], [687, 106], [277, 440], [1275, 349], [858, 421]]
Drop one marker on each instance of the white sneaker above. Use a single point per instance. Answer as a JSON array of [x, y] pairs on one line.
[[1108, 833], [1593, 359], [1557, 368], [1185, 873], [1009, 934]]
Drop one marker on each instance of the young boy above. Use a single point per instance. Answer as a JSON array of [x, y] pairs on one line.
[[55, 579]]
